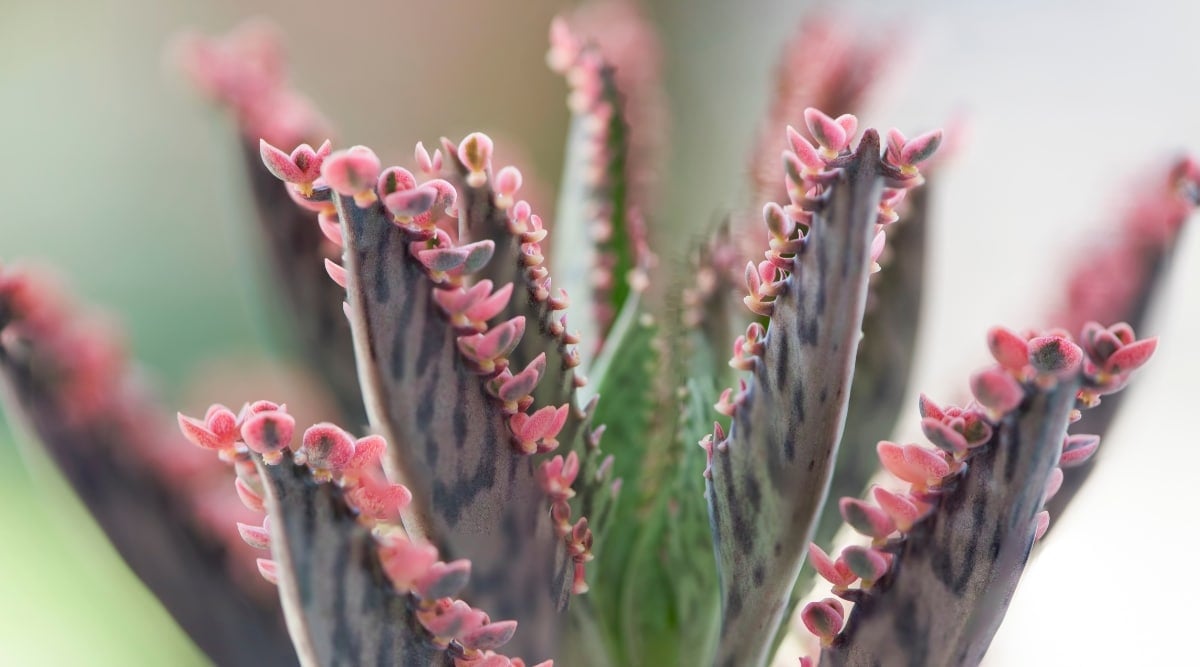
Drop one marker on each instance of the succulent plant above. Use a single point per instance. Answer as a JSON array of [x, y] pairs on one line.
[[505, 481]]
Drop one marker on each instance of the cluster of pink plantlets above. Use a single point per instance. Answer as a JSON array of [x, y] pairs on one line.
[[1100, 364], [333, 456]]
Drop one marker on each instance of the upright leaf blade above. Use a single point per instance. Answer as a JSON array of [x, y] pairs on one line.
[[769, 477]]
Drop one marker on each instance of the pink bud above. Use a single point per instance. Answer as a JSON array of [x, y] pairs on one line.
[[367, 453], [489, 637], [522, 384], [249, 497], [805, 152], [835, 573], [945, 438], [198, 434], [928, 408], [824, 619], [353, 172], [337, 273], [1053, 484], [920, 148], [475, 152], [1131, 357], [269, 433], [443, 580], [1054, 354], [916, 465], [996, 390], [508, 181], [1009, 350], [903, 510], [269, 570], [866, 563], [258, 537], [378, 499], [1077, 449], [1041, 521], [427, 164], [485, 348], [829, 134], [327, 449], [405, 561], [492, 305], [866, 519], [407, 204]]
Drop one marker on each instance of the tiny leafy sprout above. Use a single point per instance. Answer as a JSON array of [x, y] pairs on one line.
[[495, 446]]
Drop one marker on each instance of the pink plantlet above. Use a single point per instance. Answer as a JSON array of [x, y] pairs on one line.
[[489, 636], [1077, 449], [404, 205], [1041, 522], [997, 391], [806, 153], [866, 563], [268, 569], [475, 152], [443, 580], [905, 511], [485, 349], [269, 433], [1130, 357], [832, 135], [405, 561], [907, 153], [202, 434], [778, 223], [336, 272], [579, 541], [824, 619], [516, 387], [866, 518], [835, 572], [916, 465], [557, 475], [877, 245], [331, 228], [1053, 484], [508, 181], [251, 498], [944, 437], [368, 451], [258, 537], [449, 618], [300, 168], [353, 172], [1008, 349], [326, 449], [1054, 355], [929, 409], [429, 165], [536, 432], [379, 500]]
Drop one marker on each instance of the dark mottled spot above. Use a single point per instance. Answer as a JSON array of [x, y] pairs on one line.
[[759, 574]]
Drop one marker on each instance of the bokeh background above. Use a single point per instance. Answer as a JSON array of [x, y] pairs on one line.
[[115, 173]]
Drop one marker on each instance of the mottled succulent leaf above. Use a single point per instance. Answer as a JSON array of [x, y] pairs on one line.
[[770, 476], [481, 220], [147, 516], [956, 571], [341, 608], [475, 496]]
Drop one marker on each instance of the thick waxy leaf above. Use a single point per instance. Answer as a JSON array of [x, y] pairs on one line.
[[294, 247], [769, 477], [956, 571], [475, 496], [146, 517], [341, 608]]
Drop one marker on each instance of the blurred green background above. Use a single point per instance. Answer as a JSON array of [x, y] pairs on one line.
[[128, 183]]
